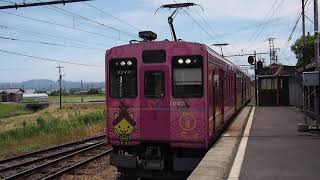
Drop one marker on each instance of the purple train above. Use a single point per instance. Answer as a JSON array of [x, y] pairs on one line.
[[167, 103]]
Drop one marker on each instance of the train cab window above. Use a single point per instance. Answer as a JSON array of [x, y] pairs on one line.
[[154, 84], [187, 79], [123, 78]]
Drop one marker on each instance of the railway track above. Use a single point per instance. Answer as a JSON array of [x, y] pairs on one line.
[[53, 162]]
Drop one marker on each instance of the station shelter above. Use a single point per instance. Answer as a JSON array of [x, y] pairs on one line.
[[278, 86]]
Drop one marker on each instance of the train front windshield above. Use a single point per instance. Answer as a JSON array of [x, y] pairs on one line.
[[123, 78], [187, 77]]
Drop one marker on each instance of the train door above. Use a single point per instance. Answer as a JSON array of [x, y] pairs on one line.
[[217, 98], [155, 103], [222, 94], [242, 91]]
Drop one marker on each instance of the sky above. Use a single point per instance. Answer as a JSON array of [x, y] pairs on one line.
[[81, 32]]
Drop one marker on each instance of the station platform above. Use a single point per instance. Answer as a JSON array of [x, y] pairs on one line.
[[269, 147]]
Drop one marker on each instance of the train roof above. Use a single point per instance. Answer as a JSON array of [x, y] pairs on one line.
[[200, 45]]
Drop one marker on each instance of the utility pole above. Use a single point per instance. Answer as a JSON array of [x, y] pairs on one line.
[[316, 29], [272, 51], [304, 60], [60, 79], [81, 92], [255, 78], [316, 33]]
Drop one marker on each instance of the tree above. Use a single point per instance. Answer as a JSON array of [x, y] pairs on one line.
[[298, 48]]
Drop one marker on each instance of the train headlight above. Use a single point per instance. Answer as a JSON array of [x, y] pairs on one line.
[[129, 63], [180, 61], [122, 63], [188, 61]]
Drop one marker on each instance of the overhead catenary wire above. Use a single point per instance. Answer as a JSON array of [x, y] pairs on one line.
[[194, 20], [49, 59], [203, 28], [7, 1], [200, 26], [274, 10], [205, 21], [262, 24], [63, 38], [92, 21], [285, 45], [61, 25], [290, 36], [108, 14], [42, 42]]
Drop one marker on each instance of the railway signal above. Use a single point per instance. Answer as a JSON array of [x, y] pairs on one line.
[[257, 65], [251, 60]]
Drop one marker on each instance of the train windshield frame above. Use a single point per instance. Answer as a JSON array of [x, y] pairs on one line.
[[187, 76], [123, 81], [154, 84]]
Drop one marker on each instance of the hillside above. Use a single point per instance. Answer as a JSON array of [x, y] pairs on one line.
[[46, 84]]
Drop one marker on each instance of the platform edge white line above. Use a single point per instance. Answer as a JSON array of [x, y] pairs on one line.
[[237, 163]]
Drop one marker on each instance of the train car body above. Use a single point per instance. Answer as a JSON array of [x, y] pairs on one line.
[[167, 102]]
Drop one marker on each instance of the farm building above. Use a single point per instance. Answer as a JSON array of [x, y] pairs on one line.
[[11, 95]]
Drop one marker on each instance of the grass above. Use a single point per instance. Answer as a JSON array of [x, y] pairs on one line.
[[11, 110], [48, 130], [77, 98], [17, 121]]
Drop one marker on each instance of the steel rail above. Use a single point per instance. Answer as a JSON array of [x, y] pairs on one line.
[[36, 169], [47, 157], [75, 166], [49, 149]]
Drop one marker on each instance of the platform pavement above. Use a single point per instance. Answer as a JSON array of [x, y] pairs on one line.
[[217, 162], [276, 150], [272, 148]]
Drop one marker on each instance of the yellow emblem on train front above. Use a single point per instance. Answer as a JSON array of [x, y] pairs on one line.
[[123, 124], [123, 128]]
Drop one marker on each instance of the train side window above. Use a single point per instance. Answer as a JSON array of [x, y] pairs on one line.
[[187, 78], [123, 78], [154, 85]]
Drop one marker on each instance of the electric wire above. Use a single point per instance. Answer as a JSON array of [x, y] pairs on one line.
[[201, 27], [7, 1], [194, 20], [265, 20], [61, 25], [108, 14], [290, 36], [42, 42], [205, 21], [92, 20], [284, 46], [48, 59], [256, 35], [61, 38]]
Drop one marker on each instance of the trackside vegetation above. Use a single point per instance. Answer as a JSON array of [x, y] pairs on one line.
[[10, 110], [50, 130]]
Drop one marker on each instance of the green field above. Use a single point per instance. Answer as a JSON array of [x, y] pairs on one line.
[[10, 110], [50, 127], [77, 98]]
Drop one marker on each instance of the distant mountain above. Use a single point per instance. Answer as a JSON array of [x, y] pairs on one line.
[[46, 84]]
